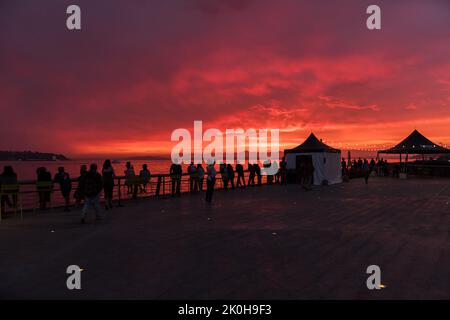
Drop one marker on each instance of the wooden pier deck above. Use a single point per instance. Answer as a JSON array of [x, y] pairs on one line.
[[269, 242]]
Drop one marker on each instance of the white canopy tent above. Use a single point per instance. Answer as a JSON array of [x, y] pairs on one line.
[[325, 159]]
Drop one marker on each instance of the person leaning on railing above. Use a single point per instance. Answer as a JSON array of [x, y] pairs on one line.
[[108, 176], [44, 186], [210, 180], [240, 176], [8, 186], [131, 181], [193, 178], [230, 175], [224, 175], [200, 176], [144, 178], [175, 176], [65, 186]]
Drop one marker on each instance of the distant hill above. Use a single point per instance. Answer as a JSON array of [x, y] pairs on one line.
[[30, 156]]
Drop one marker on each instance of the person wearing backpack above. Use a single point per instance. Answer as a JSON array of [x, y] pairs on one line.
[[65, 185], [92, 185]]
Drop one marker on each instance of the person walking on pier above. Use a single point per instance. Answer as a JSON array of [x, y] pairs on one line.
[[200, 176], [65, 186], [92, 185], [175, 176], [240, 176], [210, 181], [78, 194], [108, 183]]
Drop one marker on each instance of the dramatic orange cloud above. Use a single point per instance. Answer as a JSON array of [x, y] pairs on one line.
[[140, 69]]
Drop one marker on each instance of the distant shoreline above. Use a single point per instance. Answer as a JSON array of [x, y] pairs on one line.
[[31, 156]]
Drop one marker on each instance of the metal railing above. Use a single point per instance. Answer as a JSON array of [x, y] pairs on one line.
[[159, 185]]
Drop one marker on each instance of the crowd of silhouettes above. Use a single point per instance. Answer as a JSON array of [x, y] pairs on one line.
[[89, 186], [231, 177], [91, 183], [364, 168]]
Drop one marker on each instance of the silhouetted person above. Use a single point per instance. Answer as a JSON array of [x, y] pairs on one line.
[[366, 171], [354, 168], [283, 171], [144, 178], [307, 175], [251, 175], [360, 165], [301, 174], [200, 176], [267, 165], [65, 186], [371, 165], [385, 168], [230, 175], [344, 167], [210, 181], [108, 176], [193, 177], [380, 164], [258, 173], [240, 176], [92, 185], [8, 177], [79, 194], [175, 176], [396, 171], [44, 192], [276, 170], [130, 180], [224, 175]]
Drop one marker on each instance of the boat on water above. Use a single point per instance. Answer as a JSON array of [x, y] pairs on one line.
[[115, 161]]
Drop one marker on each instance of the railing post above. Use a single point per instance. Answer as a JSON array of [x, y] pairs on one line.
[[158, 186], [164, 185], [119, 193]]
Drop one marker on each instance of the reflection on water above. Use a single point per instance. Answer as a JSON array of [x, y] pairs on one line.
[[26, 170]]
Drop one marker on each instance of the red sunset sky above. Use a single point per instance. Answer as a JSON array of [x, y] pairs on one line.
[[140, 69]]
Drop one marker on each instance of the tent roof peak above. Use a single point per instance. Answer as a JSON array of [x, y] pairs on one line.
[[312, 144]]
